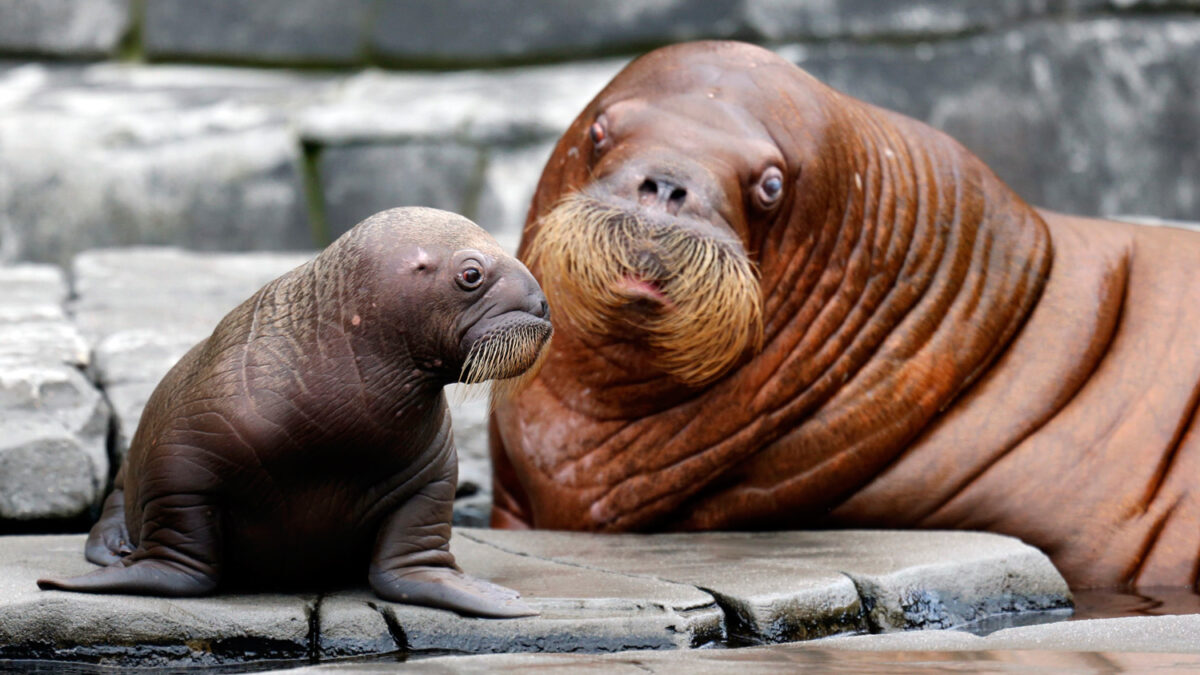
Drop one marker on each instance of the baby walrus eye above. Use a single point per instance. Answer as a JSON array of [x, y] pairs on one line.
[[470, 278]]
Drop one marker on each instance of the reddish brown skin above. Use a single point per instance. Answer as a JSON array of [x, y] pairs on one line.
[[936, 354]]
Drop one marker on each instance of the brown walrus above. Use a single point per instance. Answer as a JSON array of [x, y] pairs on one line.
[[785, 308], [306, 442]]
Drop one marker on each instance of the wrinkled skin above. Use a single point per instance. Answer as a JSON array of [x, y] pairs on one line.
[[307, 443], [935, 353]]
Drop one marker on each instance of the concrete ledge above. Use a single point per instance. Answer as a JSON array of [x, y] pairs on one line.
[[596, 593]]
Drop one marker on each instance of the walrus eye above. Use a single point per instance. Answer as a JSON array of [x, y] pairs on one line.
[[770, 187], [470, 278], [597, 133]]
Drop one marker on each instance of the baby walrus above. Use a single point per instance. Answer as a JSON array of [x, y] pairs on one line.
[[307, 440]]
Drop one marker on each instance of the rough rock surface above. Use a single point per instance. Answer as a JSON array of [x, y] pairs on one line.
[[1083, 106], [1075, 117], [118, 155], [280, 31], [63, 28], [462, 31], [53, 421], [594, 592]]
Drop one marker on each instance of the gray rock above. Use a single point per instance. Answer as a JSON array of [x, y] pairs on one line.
[[801, 585], [470, 31], [511, 106], [53, 421], [98, 157], [360, 180], [70, 28], [178, 294], [865, 20], [273, 31], [1075, 116], [512, 176], [53, 460], [130, 630]]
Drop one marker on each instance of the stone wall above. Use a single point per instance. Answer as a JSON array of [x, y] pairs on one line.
[[118, 127], [274, 125]]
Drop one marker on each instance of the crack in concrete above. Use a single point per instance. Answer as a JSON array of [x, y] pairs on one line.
[[312, 611], [395, 630]]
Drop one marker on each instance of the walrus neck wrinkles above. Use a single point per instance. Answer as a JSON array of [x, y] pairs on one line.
[[888, 295]]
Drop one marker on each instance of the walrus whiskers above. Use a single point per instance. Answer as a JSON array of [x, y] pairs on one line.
[[586, 250], [508, 357]]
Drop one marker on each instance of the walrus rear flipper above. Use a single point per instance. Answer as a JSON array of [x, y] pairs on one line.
[[109, 541], [177, 554], [143, 577]]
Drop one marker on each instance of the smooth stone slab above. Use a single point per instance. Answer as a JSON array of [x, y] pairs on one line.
[[582, 608], [595, 593], [71, 28], [781, 586], [360, 180], [458, 31], [129, 629], [265, 31], [167, 290], [508, 107]]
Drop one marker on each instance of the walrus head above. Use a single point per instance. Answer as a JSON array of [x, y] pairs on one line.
[[467, 310], [656, 247]]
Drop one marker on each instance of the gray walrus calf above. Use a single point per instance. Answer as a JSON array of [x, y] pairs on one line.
[[307, 441]]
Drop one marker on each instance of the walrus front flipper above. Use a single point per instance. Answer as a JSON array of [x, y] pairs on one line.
[[108, 541], [413, 564], [177, 554]]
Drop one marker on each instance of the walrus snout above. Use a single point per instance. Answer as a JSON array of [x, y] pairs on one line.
[[663, 185]]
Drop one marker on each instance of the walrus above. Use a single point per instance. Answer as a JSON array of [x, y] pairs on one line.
[[307, 442], [781, 307]]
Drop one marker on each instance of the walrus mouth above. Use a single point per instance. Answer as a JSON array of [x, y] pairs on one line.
[[509, 353], [693, 298]]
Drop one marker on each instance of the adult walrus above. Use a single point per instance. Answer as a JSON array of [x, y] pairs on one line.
[[786, 308], [306, 442]]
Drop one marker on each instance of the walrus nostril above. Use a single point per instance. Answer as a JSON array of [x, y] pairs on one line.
[[676, 197], [662, 194], [648, 190]]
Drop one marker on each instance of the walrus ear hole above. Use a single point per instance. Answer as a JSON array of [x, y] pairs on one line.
[[769, 190]]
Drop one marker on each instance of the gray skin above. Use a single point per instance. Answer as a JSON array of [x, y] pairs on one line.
[[307, 440]]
